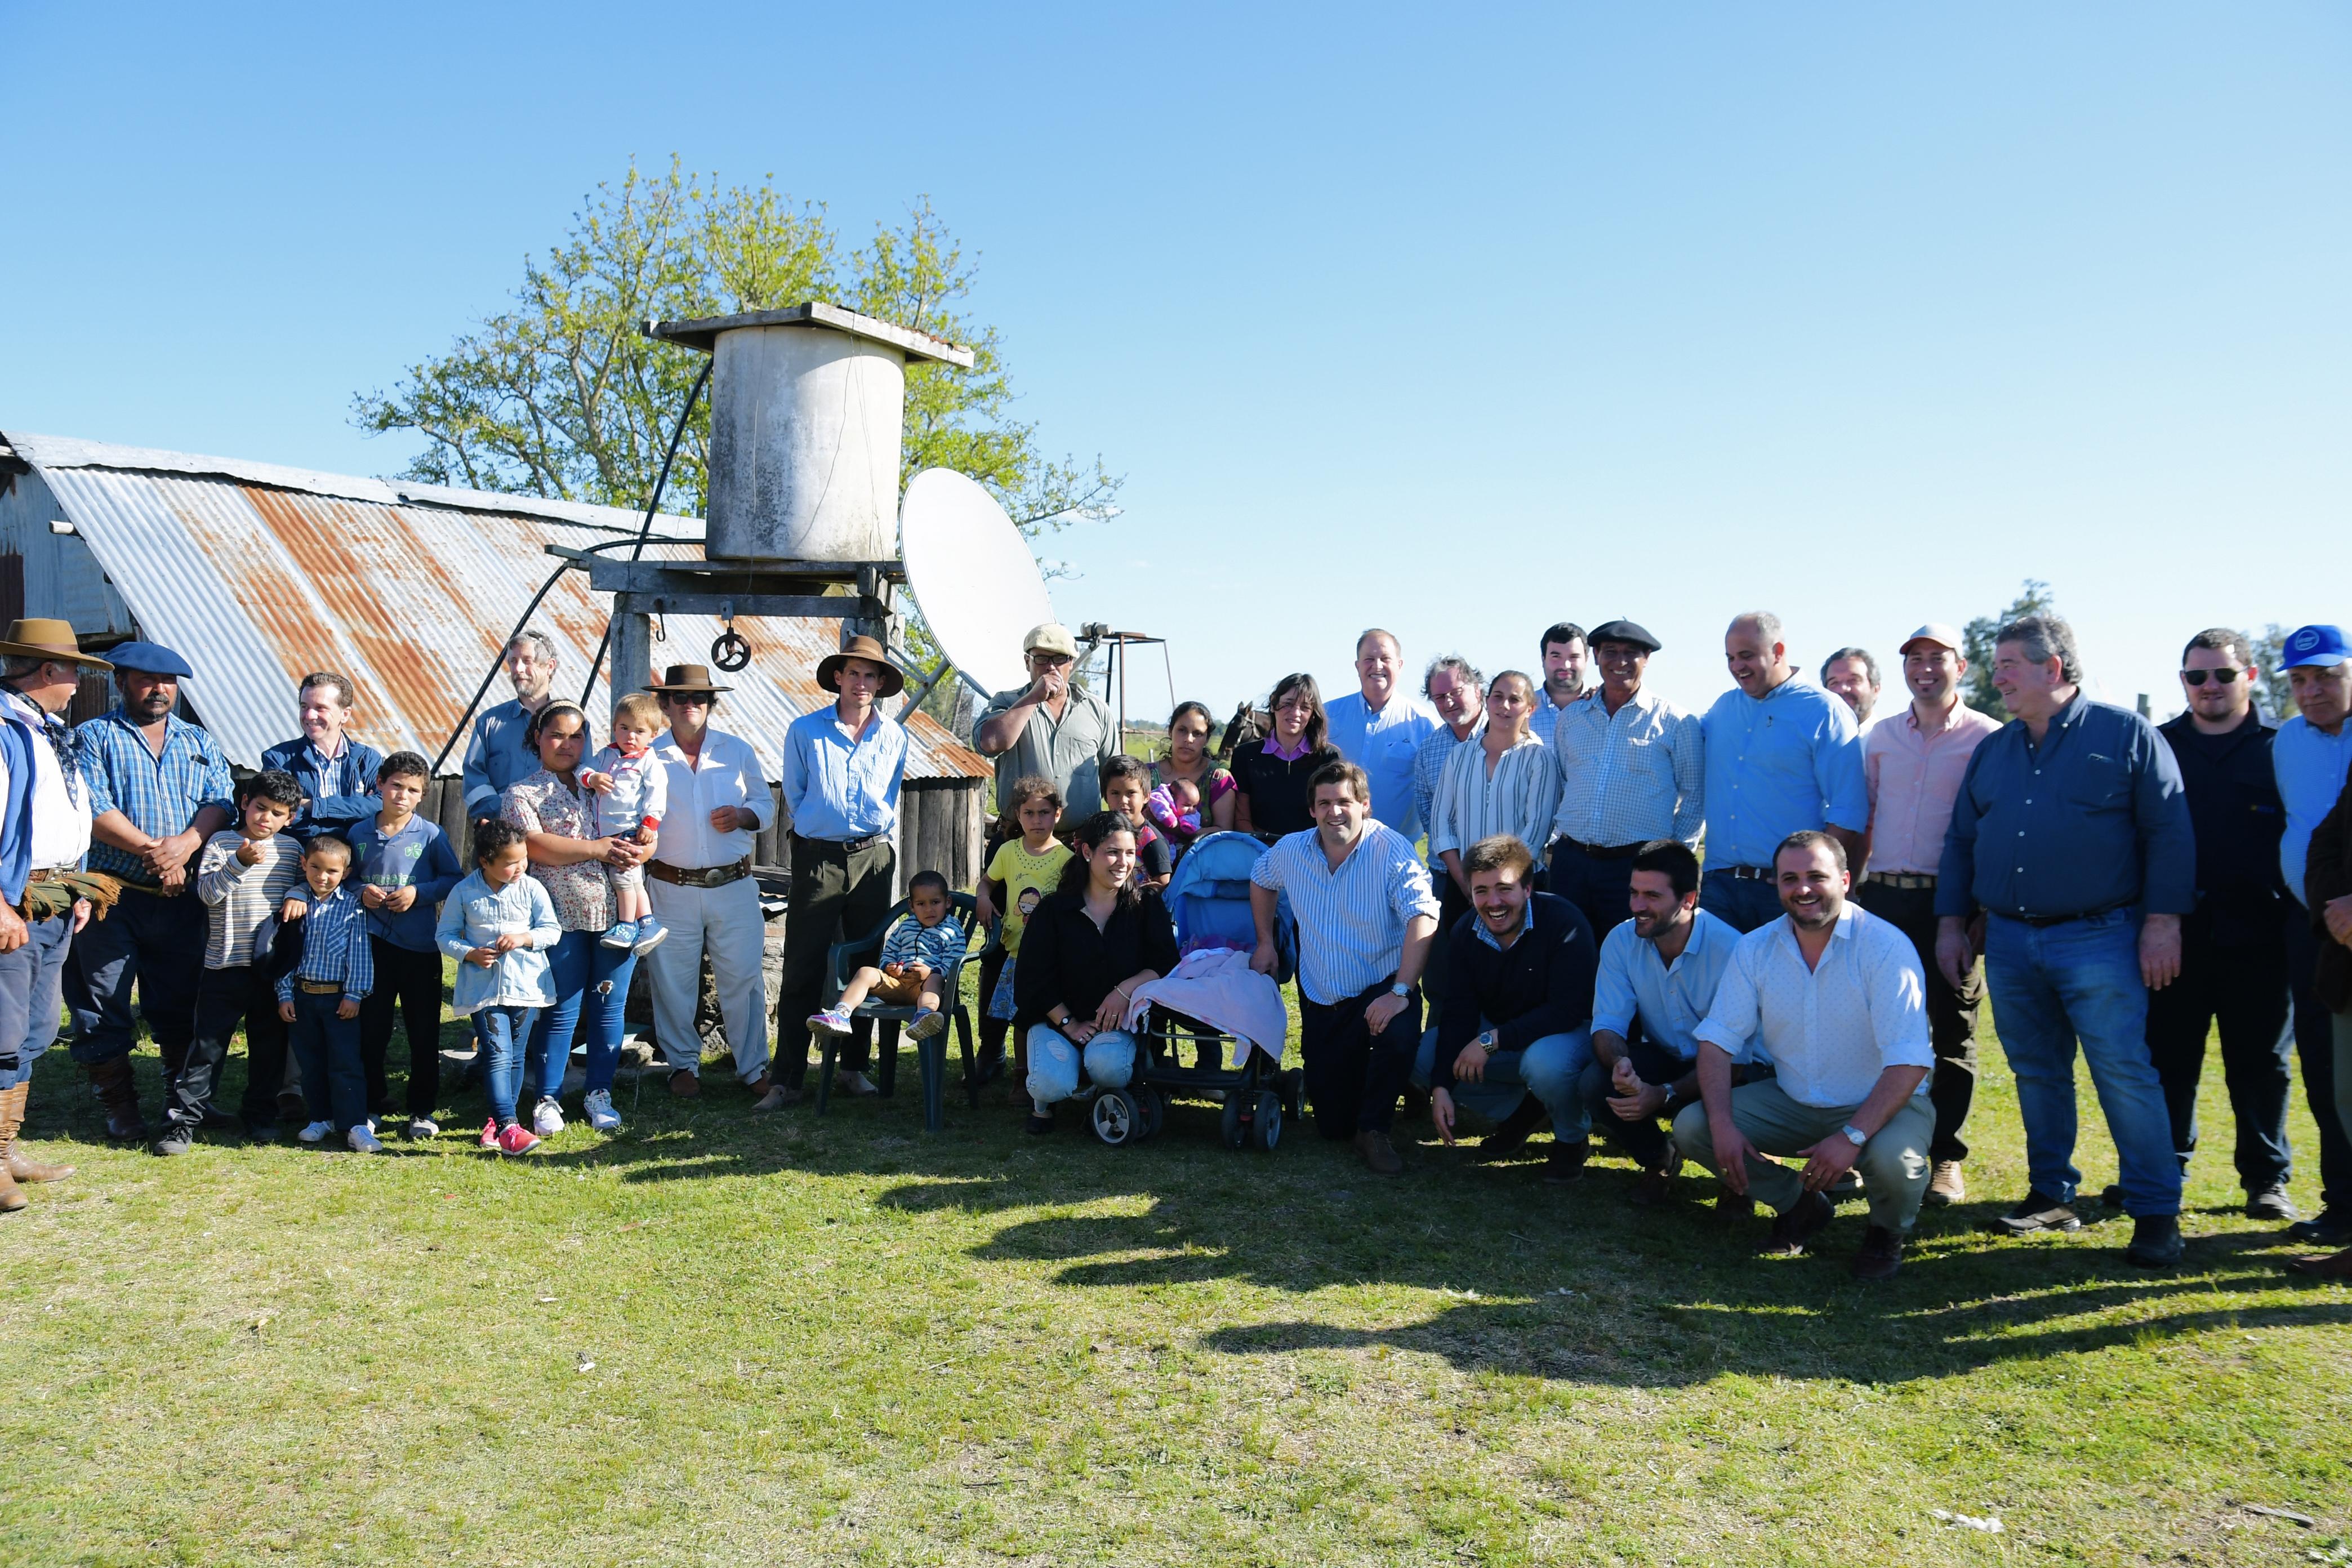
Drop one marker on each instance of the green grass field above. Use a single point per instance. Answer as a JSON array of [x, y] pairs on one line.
[[720, 1340]]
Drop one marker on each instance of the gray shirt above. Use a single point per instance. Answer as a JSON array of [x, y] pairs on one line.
[[1070, 750]]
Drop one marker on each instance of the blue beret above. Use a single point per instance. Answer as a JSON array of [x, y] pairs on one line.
[[152, 659]]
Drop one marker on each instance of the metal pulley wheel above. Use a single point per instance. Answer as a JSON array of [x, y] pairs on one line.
[[730, 652]]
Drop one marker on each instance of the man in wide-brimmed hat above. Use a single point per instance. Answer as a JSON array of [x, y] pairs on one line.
[[700, 883], [44, 833], [843, 767]]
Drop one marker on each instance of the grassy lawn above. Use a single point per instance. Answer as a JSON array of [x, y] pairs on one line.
[[713, 1339]]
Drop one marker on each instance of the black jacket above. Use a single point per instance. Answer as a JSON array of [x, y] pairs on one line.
[[1067, 960], [2233, 806], [1542, 985]]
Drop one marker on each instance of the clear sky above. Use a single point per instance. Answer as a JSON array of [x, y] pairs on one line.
[[1458, 323]]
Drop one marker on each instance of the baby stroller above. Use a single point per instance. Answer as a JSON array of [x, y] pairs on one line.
[[1210, 898]]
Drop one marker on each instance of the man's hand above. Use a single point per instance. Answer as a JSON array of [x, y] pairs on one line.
[[399, 901], [2159, 951], [1469, 1063], [172, 878], [2338, 912], [485, 957], [1264, 960], [285, 1012], [1380, 1015], [13, 932], [1634, 1101], [249, 852], [83, 910], [1954, 954], [1441, 1112], [1051, 683], [172, 852], [293, 910], [625, 852], [347, 1009], [594, 782], [1732, 1153], [1827, 1160], [728, 818]]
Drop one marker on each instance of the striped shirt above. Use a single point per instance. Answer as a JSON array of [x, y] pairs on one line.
[[1429, 765], [241, 900], [1518, 797], [934, 947], [161, 796], [334, 945], [1351, 921], [1629, 777], [1829, 1031]]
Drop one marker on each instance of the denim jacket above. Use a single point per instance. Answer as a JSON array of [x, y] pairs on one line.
[[476, 915]]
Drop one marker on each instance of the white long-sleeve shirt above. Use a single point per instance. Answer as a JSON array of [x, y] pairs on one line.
[[727, 772]]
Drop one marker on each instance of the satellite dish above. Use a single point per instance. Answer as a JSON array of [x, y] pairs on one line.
[[973, 576]]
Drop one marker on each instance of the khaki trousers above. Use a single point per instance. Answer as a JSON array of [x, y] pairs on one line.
[[1894, 1163]]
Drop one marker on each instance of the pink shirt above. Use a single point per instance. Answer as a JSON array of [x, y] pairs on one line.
[[1914, 779]]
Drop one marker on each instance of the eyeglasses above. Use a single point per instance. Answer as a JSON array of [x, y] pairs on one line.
[[2220, 677]]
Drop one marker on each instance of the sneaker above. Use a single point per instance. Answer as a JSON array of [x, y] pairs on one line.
[[423, 1127], [598, 1104], [547, 1118], [178, 1139], [1946, 1185], [856, 1083], [490, 1133], [316, 1132], [2035, 1212], [928, 1022], [1565, 1164], [2329, 1227], [1803, 1221], [651, 934], [1881, 1254], [516, 1139], [2271, 1203], [363, 1140], [830, 1021], [2156, 1242], [623, 934]]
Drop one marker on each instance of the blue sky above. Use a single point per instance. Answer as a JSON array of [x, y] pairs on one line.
[[1459, 322]]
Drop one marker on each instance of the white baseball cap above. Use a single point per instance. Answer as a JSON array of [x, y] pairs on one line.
[[1935, 632]]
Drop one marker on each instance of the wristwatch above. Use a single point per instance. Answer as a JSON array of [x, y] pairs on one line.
[[1854, 1135], [1400, 989]]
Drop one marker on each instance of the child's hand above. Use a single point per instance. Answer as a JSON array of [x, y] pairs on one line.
[[918, 971], [894, 969], [484, 957], [293, 910], [511, 940], [347, 1009], [398, 899], [249, 852], [372, 897], [286, 1011], [590, 779], [982, 910]]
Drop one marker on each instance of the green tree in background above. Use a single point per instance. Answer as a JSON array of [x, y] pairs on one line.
[[2032, 599], [2274, 693]]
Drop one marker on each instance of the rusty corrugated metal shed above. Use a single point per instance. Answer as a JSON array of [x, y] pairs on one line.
[[257, 575]]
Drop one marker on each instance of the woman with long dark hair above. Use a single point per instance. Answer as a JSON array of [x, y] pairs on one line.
[[1084, 949], [1187, 761], [1272, 774]]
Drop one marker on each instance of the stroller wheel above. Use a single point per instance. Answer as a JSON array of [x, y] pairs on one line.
[[1152, 1112], [1115, 1118], [1230, 1123], [1265, 1132]]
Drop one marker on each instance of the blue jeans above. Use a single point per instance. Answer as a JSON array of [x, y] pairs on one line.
[[31, 982], [1745, 902], [1054, 1062], [592, 978], [1548, 1068], [2051, 987], [334, 1089], [504, 1033]]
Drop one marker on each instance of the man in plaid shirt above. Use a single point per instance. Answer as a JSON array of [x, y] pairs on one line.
[[159, 788]]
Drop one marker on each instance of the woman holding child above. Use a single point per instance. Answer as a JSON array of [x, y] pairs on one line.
[[557, 815], [1190, 794]]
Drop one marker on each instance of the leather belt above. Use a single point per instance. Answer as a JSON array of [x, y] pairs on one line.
[[847, 845], [2044, 922], [318, 988], [53, 874], [706, 877], [1907, 880], [1742, 873], [1602, 851]]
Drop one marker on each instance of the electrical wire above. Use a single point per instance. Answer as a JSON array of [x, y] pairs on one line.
[[652, 507]]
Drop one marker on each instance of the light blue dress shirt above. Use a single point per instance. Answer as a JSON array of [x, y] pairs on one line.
[[2310, 765], [1774, 764], [476, 915], [1384, 744], [1670, 999], [840, 787]]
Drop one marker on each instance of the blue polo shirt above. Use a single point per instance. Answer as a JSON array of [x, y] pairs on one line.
[[1776, 764], [1384, 744], [2310, 764]]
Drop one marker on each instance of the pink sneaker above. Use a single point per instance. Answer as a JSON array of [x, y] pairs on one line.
[[518, 1140], [831, 1021], [490, 1133]]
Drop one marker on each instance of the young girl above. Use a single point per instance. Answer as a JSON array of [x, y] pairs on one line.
[[499, 924], [1024, 870], [632, 796], [917, 950]]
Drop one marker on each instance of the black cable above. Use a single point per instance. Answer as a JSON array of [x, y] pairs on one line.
[[652, 507], [483, 690]]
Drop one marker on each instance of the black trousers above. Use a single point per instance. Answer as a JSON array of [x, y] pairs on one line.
[[837, 893], [1355, 1077], [2244, 990], [1647, 1139], [412, 981], [1452, 903], [226, 1001], [1595, 884], [2314, 1052], [1951, 1014]]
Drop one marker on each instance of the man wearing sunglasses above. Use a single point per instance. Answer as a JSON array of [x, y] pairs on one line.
[[2233, 944]]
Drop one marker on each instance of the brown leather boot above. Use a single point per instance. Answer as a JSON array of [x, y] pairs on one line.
[[13, 1161], [11, 1197], [118, 1091]]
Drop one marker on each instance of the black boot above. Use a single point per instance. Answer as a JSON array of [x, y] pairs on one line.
[[118, 1091]]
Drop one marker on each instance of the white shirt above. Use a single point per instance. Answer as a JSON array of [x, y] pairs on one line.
[[1518, 797], [726, 773], [1351, 920], [60, 822], [1830, 1031]]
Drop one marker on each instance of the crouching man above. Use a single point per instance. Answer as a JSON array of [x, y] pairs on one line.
[[1834, 998]]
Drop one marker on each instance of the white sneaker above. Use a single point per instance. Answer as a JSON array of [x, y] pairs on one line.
[[598, 1104], [316, 1132], [363, 1140], [547, 1118]]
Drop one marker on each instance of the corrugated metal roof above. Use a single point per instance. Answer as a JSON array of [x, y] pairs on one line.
[[257, 582]]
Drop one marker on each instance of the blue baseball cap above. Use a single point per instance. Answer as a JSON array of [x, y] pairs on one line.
[[2304, 645], [154, 659]]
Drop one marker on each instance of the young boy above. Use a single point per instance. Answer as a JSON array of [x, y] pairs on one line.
[[1024, 870], [631, 787], [403, 867], [915, 953], [320, 997], [500, 925], [241, 879], [1125, 787]]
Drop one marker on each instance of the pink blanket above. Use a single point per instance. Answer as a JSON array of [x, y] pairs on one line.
[[1218, 986]]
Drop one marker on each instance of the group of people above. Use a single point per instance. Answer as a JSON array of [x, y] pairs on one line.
[[1560, 956]]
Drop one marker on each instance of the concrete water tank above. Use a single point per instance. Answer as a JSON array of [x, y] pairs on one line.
[[806, 408]]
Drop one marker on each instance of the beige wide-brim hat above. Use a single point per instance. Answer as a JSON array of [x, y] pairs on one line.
[[48, 639], [828, 669]]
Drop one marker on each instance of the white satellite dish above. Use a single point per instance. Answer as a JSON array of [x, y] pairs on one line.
[[973, 576]]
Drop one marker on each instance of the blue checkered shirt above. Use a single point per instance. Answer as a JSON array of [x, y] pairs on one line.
[[1429, 766], [334, 945], [161, 796], [935, 947]]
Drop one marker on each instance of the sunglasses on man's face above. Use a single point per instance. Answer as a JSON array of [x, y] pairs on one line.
[[2220, 677]]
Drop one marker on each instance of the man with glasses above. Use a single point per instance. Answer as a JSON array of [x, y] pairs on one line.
[[1633, 769], [2233, 943], [2310, 758], [1049, 728]]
